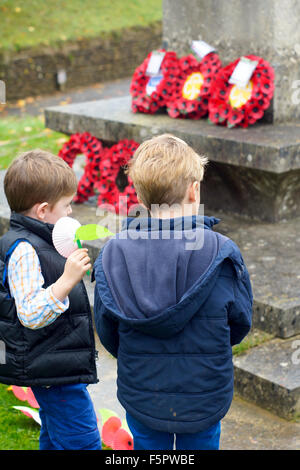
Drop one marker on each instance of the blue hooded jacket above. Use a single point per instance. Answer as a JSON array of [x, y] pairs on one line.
[[171, 298]]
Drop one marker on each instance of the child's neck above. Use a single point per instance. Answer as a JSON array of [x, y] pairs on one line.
[[184, 211]]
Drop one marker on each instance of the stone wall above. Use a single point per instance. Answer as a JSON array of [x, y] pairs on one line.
[[114, 55]]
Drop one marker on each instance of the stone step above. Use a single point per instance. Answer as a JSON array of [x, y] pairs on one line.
[[269, 376], [256, 170]]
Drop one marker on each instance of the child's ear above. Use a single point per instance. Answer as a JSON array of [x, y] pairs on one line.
[[41, 210], [141, 202], [193, 190]]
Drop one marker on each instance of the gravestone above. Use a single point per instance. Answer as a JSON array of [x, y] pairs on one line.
[[253, 178]]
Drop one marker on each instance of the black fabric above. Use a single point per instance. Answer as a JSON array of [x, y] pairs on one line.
[[60, 353]]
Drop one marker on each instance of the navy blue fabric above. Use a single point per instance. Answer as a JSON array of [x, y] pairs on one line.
[[68, 418], [145, 438], [170, 315]]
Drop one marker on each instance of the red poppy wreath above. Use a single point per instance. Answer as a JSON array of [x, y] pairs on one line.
[[111, 176], [192, 86], [103, 172], [92, 148], [234, 106], [150, 93]]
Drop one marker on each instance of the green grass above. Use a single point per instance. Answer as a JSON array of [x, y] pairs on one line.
[[17, 431], [254, 338], [28, 23], [19, 134]]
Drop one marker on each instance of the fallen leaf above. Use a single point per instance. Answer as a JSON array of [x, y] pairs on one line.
[[21, 103]]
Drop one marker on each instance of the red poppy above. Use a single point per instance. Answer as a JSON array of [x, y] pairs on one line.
[[92, 148], [109, 193], [191, 86], [109, 429], [232, 106], [122, 440], [101, 170], [149, 94]]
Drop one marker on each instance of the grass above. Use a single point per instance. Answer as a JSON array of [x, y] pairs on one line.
[[254, 338], [17, 431], [28, 23], [19, 134]]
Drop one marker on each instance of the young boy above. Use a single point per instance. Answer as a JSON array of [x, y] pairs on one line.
[[171, 298], [46, 322]]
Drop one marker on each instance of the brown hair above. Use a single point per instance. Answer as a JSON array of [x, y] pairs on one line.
[[38, 176], [161, 169]]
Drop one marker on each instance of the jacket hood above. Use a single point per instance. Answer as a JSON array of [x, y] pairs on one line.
[[155, 274]]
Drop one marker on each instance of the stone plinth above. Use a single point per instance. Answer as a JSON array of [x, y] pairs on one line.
[[235, 28], [254, 172]]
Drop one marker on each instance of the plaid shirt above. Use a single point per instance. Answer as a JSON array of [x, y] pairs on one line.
[[36, 307]]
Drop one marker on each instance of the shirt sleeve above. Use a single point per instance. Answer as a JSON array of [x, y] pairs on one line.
[[36, 306]]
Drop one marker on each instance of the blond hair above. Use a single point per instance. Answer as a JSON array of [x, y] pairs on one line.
[[162, 168], [38, 176]]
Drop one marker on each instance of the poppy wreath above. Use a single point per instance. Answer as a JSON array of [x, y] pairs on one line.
[[233, 106], [192, 86], [111, 173], [92, 148], [104, 167], [143, 102]]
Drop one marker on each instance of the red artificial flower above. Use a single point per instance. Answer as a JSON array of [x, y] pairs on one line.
[[122, 440], [101, 170], [232, 106], [149, 94], [109, 429], [92, 148], [118, 156], [191, 86], [25, 394]]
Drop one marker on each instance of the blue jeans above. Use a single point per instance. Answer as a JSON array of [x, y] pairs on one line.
[[68, 418], [149, 439]]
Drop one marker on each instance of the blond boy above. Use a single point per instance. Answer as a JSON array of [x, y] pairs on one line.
[[171, 314]]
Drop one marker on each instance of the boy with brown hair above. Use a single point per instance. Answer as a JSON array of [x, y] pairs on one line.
[[45, 320], [171, 298]]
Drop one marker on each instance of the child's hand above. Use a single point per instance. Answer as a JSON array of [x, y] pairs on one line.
[[77, 264]]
